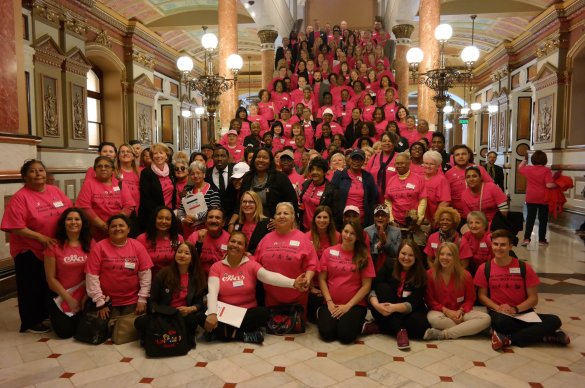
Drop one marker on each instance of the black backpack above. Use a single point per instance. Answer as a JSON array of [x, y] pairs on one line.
[[165, 334]]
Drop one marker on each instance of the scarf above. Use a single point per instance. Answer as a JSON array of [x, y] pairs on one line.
[[449, 236], [161, 173], [382, 171]]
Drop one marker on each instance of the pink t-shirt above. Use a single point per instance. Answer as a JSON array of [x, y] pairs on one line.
[[117, 268], [38, 211], [506, 284], [417, 169], [439, 294], [480, 247], [180, 297], [167, 190], [291, 255], [405, 194], [237, 286], [438, 190], [266, 110], [434, 241], [131, 182], [323, 242], [236, 152], [411, 136], [309, 135], [344, 112], [69, 263], [281, 100], [380, 128], [536, 179], [456, 178], [343, 278], [311, 199], [373, 166], [491, 198], [336, 129], [262, 121], [390, 111], [212, 249], [296, 180], [355, 195], [368, 113], [162, 253]]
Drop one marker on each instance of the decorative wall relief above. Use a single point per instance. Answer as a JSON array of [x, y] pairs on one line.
[[144, 120], [493, 132], [502, 130], [79, 118], [50, 107], [544, 119]]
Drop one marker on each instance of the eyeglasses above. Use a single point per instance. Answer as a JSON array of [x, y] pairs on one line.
[[248, 203], [182, 168], [104, 166]]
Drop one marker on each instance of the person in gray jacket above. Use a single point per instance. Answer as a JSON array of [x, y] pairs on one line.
[[384, 238]]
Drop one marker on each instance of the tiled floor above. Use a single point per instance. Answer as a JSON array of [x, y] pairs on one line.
[[304, 360]]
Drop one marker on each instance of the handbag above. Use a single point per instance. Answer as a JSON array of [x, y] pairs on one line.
[[91, 328], [165, 334], [286, 319], [123, 330]]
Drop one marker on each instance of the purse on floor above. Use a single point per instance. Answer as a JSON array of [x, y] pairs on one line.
[[286, 319]]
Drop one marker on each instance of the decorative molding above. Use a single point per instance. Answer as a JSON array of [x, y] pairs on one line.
[[48, 52], [77, 63], [544, 119], [547, 76], [50, 93], [549, 46], [20, 139], [143, 86], [103, 39], [403, 32], [144, 121], [78, 112], [500, 73], [143, 58], [267, 39], [46, 11], [73, 24]]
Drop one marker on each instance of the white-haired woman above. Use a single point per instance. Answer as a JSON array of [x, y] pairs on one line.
[[438, 190]]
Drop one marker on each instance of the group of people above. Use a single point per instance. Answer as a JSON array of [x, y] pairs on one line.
[[324, 210]]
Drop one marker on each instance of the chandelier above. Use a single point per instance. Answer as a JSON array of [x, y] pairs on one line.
[[210, 85], [445, 77]]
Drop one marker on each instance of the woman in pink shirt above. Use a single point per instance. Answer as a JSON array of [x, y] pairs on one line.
[[380, 122], [181, 167], [31, 219], [288, 251], [401, 115], [127, 172], [417, 150], [447, 220], [65, 270], [161, 238], [101, 197], [266, 107], [478, 238], [118, 273], [438, 191], [251, 220], [538, 180], [486, 197], [381, 165], [345, 278], [369, 108], [233, 281], [450, 297]]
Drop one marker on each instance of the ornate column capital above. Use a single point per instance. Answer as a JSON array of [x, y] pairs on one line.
[[267, 39], [403, 33]]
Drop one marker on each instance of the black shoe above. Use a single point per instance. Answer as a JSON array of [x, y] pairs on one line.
[[253, 337], [39, 328]]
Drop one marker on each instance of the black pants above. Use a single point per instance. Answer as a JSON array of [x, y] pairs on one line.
[[523, 333], [345, 328], [63, 325], [313, 305], [531, 210], [32, 289], [255, 318]]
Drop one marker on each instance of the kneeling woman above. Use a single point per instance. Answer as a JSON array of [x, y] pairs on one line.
[[450, 296], [233, 281], [345, 279], [397, 296], [118, 273], [182, 285]]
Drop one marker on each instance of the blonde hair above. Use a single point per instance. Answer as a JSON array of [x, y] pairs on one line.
[[159, 147], [258, 213], [447, 209], [458, 270], [181, 156]]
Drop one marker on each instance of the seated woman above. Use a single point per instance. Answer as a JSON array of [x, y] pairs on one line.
[[450, 297], [161, 238], [118, 273], [345, 279], [397, 296], [64, 270], [447, 219], [233, 281], [323, 235], [251, 220], [478, 238], [182, 285], [288, 251]]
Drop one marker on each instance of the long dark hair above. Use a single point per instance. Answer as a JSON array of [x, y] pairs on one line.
[[416, 275], [360, 250], [84, 235], [173, 231], [271, 166], [331, 232], [171, 277]]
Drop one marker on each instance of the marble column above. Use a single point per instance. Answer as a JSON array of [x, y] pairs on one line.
[[429, 19], [267, 38], [228, 44], [402, 33]]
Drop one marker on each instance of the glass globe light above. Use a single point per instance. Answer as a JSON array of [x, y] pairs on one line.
[[465, 111], [185, 63], [443, 32], [414, 55], [492, 108], [199, 110], [448, 125], [448, 109], [470, 54], [186, 113], [209, 41], [235, 62], [475, 106]]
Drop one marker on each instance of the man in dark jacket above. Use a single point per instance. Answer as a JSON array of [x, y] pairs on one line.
[[495, 171]]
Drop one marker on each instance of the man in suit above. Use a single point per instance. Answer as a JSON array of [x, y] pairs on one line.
[[438, 144], [495, 171], [220, 174]]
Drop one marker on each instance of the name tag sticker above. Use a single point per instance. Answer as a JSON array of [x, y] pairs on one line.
[[406, 294], [515, 270], [434, 245], [319, 193], [58, 204], [460, 299], [223, 247], [410, 186], [391, 169], [130, 265], [116, 188], [483, 245], [294, 243], [359, 178], [334, 252], [238, 283]]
